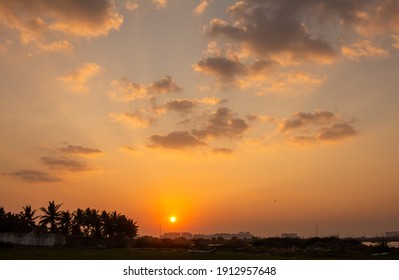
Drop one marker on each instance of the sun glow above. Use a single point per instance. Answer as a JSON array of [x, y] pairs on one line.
[[172, 219]]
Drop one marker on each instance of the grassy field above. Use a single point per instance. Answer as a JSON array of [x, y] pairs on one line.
[[61, 253]]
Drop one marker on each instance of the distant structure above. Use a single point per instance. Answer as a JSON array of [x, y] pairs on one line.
[[289, 235], [171, 235], [187, 235], [391, 234], [225, 236]]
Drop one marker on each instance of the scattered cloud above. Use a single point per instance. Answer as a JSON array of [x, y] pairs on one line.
[[222, 123], [77, 79], [264, 44], [301, 119], [125, 90], [222, 67], [180, 105], [65, 163], [131, 5], [395, 43], [320, 126], [200, 9], [39, 22], [137, 119], [56, 46], [160, 4], [164, 85], [176, 140], [273, 30], [362, 49], [72, 149], [33, 176]]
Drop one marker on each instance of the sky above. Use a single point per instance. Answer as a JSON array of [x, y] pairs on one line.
[[262, 116]]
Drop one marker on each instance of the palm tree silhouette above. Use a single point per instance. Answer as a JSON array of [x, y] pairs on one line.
[[77, 222], [27, 219], [65, 222], [51, 216]]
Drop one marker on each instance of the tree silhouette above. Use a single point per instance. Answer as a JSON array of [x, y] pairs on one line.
[[77, 222], [51, 216], [27, 219], [65, 222]]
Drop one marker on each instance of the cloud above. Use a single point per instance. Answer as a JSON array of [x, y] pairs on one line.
[[361, 49], [160, 4], [301, 119], [180, 105], [262, 41], [71, 149], [41, 21], [336, 132], [316, 127], [131, 5], [77, 79], [224, 151], [57, 46], [395, 43], [273, 30], [222, 123], [176, 140], [224, 68], [33, 176], [200, 9], [164, 85], [137, 119], [65, 163], [125, 90]]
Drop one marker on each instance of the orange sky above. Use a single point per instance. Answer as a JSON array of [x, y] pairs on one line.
[[260, 116]]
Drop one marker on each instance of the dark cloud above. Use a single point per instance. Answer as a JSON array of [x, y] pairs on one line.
[[222, 67], [164, 85], [319, 126], [274, 28], [222, 123], [64, 163], [180, 105], [336, 132], [72, 149], [176, 140], [33, 176], [301, 119]]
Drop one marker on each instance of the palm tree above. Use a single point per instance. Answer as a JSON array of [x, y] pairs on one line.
[[51, 216], [77, 221], [27, 219], [65, 222]]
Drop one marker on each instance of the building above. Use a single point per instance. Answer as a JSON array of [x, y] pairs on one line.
[[187, 235], [171, 235], [225, 236], [392, 234], [289, 235]]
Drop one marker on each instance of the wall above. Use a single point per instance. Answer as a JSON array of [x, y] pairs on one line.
[[30, 239]]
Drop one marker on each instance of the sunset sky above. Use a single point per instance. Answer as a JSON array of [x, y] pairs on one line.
[[261, 116]]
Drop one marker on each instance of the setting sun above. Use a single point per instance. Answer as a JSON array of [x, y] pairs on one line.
[[172, 219]]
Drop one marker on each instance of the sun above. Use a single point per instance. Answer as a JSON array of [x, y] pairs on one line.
[[172, 219]]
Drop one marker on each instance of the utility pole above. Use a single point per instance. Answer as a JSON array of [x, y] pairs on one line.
[[317, 233], [160, 231]]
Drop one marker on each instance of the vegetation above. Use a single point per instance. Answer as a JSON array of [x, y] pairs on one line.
[[86, 223]]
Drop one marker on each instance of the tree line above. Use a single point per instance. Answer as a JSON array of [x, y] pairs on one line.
[[81, 222]]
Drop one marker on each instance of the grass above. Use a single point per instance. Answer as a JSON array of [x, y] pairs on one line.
[[62, 253]]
